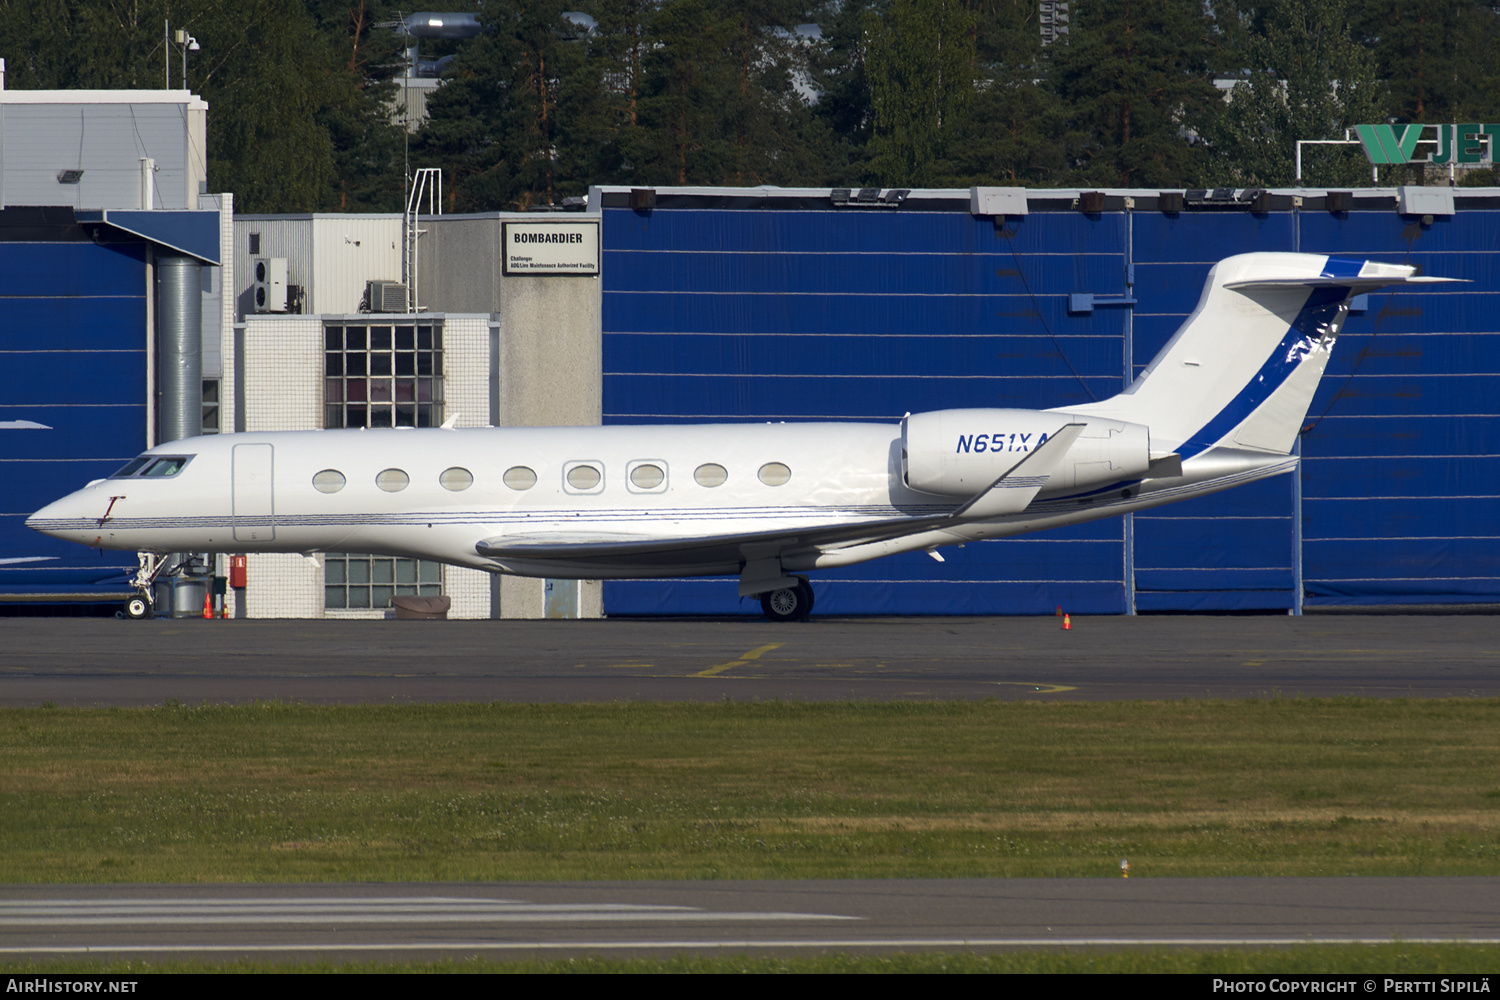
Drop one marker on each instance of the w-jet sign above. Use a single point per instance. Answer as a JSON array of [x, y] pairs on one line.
[[552, 247]]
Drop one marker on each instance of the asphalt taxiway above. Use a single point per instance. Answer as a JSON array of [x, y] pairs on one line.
[[778, 917], [111, 662]]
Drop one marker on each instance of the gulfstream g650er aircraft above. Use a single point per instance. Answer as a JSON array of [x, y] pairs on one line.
[[1219, 406]]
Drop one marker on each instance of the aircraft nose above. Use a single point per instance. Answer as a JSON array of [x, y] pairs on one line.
[[65, 518]]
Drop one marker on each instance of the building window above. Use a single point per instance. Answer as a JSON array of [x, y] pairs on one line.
[[383, 375], [353, 580], [211, 406]]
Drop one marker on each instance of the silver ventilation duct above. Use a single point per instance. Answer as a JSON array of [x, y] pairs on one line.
[[179, 356]]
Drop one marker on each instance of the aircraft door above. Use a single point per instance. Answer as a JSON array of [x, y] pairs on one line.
[[254, 503]]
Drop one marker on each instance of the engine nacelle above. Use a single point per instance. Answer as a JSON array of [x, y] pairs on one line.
[[960, 452]]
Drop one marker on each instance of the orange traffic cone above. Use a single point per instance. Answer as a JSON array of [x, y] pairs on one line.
[[1067, 622], [1059, 611], [224, 608], [208, 606]]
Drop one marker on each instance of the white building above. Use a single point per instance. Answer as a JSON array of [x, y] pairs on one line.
[[325, 341]]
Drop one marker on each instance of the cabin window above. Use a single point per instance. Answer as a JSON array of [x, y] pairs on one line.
[[355, 580], [518, 477], [774, 474], [393, 480], [648, 477], [710, 474], [583, 477], [382, 375], [329, 481], [456, 479]]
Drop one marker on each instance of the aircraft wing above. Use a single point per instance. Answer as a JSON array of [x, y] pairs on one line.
[[1011, 493]]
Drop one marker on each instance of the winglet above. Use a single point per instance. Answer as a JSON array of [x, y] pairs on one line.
[[447, 425]]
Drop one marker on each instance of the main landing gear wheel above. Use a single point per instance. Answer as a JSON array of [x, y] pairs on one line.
[[789, 604], [137, 607]]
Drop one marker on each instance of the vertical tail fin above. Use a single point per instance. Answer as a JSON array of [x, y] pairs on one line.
[[1242, 369]]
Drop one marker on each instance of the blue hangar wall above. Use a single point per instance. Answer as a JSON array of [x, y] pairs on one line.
[[754, 306], [73, 335], [75, 315]]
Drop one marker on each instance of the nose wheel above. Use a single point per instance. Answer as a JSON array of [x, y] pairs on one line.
[[789, 604], [150, 567]]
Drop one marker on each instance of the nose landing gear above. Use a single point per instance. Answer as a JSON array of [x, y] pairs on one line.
[[142, 604]]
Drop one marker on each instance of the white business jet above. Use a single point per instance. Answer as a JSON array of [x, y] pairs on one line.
[[1219, 406]]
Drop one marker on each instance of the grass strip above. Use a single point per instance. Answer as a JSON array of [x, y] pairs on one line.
[[275, 792]]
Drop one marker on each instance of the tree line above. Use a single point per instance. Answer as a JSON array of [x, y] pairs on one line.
[[888, 93]]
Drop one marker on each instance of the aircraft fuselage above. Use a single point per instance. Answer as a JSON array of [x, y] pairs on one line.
[[433, 493]]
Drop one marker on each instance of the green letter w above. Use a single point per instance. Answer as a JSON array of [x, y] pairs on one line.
[[1383, 146]]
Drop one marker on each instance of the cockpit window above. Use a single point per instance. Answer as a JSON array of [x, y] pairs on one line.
[[168, 466], [132, 467], [155, 466]]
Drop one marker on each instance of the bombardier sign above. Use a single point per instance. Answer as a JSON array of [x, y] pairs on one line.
[[1385, 144], [570, 247]]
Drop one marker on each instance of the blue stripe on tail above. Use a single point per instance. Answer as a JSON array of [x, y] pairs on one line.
[[1308, 328]]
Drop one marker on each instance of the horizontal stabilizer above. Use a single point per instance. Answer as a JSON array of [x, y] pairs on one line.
[[1358, 276], [1360, 284]]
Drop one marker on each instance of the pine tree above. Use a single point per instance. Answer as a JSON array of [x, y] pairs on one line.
[[837, 71], [1010, 132], [1437, 57], [1134, 76], [500, 123], [364, 55], [712, 92]]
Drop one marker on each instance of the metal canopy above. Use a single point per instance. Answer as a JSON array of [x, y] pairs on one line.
[[191, 234]]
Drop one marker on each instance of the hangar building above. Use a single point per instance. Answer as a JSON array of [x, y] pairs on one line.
[[736, 305], [809, 305], [111, 312]]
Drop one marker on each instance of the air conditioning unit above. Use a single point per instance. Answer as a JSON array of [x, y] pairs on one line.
[[270, 285], [385, 296]]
